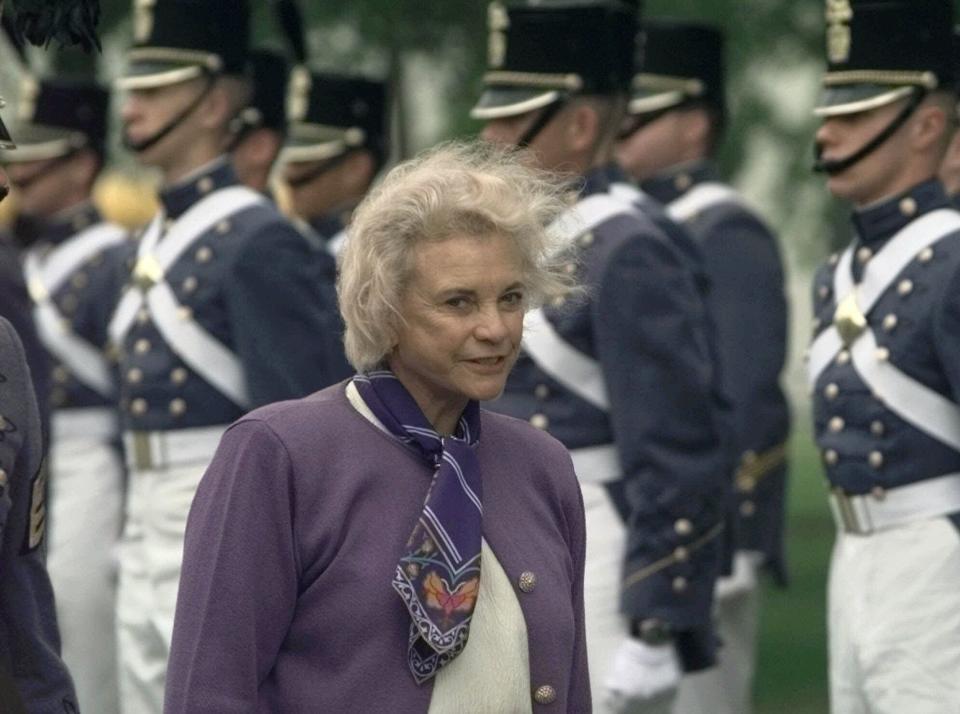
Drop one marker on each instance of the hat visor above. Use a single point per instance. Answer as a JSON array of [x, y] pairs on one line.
[[645, 102], [6, 141], [308, 142], [500, 102], [40, 143], [853, 98], [300, 153], [149, 75]]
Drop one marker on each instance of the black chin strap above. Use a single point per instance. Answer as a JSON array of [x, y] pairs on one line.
[[139, 146], [546, 116], [837, 166]]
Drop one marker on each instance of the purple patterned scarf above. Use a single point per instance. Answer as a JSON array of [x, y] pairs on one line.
[[439, 576]]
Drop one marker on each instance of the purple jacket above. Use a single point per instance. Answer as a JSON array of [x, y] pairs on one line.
[[285, 600]]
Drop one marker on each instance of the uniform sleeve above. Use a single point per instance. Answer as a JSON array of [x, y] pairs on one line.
[[284, 317], [651, 339], [578, 698], [946, 328], [29, 639], [238, 585]]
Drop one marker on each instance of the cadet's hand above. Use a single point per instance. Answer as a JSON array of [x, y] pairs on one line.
[[640, 673]]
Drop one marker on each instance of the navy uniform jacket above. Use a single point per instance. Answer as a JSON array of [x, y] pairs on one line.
[[29, 640], [645, 322], [865, 445], [747, 303], [253, 283], [85, 300], [15, 306]]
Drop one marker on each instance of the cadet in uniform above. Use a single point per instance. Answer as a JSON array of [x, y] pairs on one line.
[[883, 364], [676, 118], [338, 142], [223, 311], [950, 166], [623, 377], [33, 678], [71, 262]]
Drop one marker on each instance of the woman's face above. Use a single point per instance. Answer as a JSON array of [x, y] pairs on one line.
[[463, 308]]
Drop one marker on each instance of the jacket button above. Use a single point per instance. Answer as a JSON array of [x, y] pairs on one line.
[[875, 459], [864, 254], [890, 322], [189, 284], [138, 406], [877, 428], [836, 424], [843, 357], [141, 346], [905, 287], [178, 407], [681, 554], [683, 527], [545, 695], [541, 391], [747, 509], [540, 421], [527, 582], [908, 206], [205, 185], [178, 376], [831, 391], [831, 457], [134, 375], [680, 584], [925, 255], [223, 227]]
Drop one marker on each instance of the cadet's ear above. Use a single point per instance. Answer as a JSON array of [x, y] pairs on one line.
[[930, 125], [360, 169], [583, 128], [695, 128]]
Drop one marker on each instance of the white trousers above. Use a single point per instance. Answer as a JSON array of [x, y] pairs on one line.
[[606, 627], [86, 491], [151, 552], [894, 621], [727, 688]]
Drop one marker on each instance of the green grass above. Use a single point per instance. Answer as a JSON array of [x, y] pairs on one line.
[[792, 655]]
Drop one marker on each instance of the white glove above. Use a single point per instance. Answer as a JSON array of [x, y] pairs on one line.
[[743, 579], [640, 672]]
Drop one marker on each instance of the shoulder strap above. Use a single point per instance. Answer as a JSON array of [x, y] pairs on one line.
[[587, 214], [699, 198]]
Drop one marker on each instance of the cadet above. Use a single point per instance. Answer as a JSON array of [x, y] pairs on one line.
[[339, 141], [677, 114], [883, 365], [32, 676], [950, 166], [623, 376], [71, 261], [223, 312]]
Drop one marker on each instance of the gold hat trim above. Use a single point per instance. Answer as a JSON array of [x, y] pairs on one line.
[[158, 79], [499, 78], [927, 80], [863, 105], [313, 152], [691, 86], [208, 60], [655, 102], [510, 110]]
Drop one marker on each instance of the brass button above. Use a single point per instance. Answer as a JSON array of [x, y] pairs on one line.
[[876, 428], [908, 206], [205, 185], [527, 581], [204, 254], [683, 527], [178, 407], [545, 695], [60, 374], [843, 357], [890, 322], [223, 227], [680, 584], [864, 254], [875, 459], [135, 375], [540, 421], [681, 554], [141, 346], [541, 391], [586, 239], [80, 280], [138, 406], [747, 509], [4, 479], [925, 255], [178, 376], [682, 182], [905, 287], [836, 424], [748, 457], [831, 457], [143, 316], [823, 291], [185, 312], [189, 284], [833, 259], [882, 354], [831, 391]]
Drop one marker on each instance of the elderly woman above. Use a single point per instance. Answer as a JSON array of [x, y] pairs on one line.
[[385, 545]]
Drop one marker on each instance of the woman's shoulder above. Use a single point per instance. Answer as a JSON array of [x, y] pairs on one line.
[[313, 416], [518, 440]]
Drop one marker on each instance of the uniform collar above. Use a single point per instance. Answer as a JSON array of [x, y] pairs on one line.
[[598, 180], [669, 185], [180, 196], [876, 223], [59, 227]]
